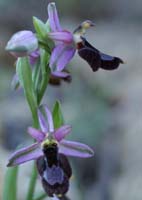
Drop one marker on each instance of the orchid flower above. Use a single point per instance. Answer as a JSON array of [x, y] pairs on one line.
[[67, 43], [46, 134], [50, 151], [64, 46]]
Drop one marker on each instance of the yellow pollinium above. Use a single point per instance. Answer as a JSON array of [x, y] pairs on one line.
[[48, 142]]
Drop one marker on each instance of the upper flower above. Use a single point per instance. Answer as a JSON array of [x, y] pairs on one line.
[[64, 43], [47, 135]]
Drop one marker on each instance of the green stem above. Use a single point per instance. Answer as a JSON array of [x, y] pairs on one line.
[[44, 82], [35, 120], [32, 184], [34, 174], [10, 184]]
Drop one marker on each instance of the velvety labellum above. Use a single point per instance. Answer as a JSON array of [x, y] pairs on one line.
[[54, 170], [97, 59]]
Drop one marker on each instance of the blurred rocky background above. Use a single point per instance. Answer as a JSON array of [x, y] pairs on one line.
[[104, 108]]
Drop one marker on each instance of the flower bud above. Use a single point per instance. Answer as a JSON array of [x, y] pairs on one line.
[[22, 43]]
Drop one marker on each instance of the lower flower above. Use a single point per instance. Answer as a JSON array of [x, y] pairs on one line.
[[50, 151]]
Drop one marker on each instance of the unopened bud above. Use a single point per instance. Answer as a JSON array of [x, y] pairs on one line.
[[22, 43]]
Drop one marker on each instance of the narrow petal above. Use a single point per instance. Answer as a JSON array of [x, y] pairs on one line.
[[36, 134], [53, 17], [45, 119], [61, 56], [63, 36], [71, 148], [25, 154], [61, 132]]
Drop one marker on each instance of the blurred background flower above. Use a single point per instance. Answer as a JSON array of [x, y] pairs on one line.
[[104, 108]]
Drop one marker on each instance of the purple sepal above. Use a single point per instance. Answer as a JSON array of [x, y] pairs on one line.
[[53, 17], [65, 58], [61, 56], [45, 119], [63, 36], [36, 134], [76, 149], [25, 154], [55, 56], [61, 132]]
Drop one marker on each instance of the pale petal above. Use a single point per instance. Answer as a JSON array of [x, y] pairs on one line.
[[61, 132], [76, 149], [36, 134], [25, 154], [53, 17], [65, 58], [61, 56], [55, 55]]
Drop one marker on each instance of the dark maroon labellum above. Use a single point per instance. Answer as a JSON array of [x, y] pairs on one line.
[[95, 58], [54, 170]]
